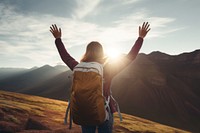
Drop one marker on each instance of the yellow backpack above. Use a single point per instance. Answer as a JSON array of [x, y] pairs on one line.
[[87, 103]]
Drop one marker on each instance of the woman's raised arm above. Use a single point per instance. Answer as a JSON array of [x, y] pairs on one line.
[[113, 69], [65, 56]]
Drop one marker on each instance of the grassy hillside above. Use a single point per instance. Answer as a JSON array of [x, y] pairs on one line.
[[32, 114]]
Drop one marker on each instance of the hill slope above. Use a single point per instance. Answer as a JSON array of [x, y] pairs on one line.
[[162, 88], [31, 114], [10, 72], [27, 81]]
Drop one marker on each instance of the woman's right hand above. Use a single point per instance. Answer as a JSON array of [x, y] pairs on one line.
[[54, 30]]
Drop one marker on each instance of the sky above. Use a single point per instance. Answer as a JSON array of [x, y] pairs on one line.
[[25, 40]]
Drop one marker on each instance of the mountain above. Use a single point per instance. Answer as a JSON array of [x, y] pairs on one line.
[[32, 114], [159, 87], [10, 72], [57, 87], [61, 68], [26, 81], [162, 88]]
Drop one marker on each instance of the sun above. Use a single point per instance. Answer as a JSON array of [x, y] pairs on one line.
[[112, 54]]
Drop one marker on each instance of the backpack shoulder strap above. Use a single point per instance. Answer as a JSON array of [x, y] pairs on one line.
[[68, 111], [117, 108], [70, 119]]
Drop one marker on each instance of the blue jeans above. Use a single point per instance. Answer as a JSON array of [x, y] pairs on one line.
[[105, 127]]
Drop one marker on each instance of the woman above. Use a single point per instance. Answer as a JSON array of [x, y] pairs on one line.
[[94, 52]]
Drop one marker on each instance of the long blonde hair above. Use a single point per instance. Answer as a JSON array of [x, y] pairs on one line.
[[94, 53]]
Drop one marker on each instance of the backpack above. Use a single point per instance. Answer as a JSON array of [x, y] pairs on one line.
[[87, 103]]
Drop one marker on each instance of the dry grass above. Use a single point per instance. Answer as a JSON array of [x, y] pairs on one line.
[[135, 124], [18, 108]]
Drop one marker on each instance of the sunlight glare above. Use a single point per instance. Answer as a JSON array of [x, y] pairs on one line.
[[112, 53]]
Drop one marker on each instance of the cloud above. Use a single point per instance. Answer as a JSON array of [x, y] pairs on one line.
[[126, 28], [161, 26], [129, 1], [85, 7], [28, 36]]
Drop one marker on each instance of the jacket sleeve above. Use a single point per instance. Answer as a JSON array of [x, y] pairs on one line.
[[113, 68], [65, 56], [135, 49]]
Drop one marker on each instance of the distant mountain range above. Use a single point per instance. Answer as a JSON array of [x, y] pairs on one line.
[[157, 86], [46, 81]]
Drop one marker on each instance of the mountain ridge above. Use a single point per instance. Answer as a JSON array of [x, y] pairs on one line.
[[161, 87]]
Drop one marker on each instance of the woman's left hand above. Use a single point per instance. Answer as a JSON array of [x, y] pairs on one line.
[[144, 29]]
